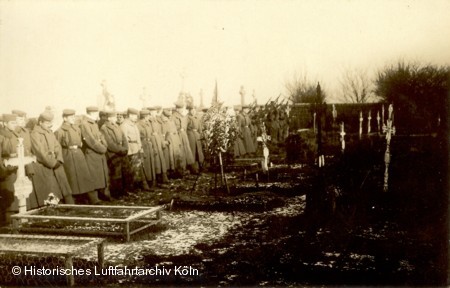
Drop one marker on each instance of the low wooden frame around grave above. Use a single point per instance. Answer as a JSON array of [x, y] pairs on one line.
[[125, 222], [68, 254]]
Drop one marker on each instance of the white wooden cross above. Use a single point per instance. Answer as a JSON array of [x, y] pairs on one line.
[[288, 109], [389, 129], [360, 123], [342, 137], [334, 113], [378, 121]]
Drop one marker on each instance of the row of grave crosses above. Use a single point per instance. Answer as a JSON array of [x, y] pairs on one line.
[[388, 128], [380, 121]]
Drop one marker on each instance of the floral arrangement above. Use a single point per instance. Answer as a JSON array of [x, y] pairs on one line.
[[51, 200], [264, 138], [219, 130]]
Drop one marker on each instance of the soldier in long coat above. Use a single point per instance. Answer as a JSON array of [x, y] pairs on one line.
[[129, 128], [9, 149], [6, 193], [284, 125], [176, 153], [94, 148], [10, 142], [159, 122], [244, 122], [77, 170], [180, 121], [116, 154], [49, 176], [23, 132], [239, 147], [147, 147], [273, 127], [159, 143], [194, 132]]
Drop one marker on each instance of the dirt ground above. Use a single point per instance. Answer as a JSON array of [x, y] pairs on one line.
[[264, 233]]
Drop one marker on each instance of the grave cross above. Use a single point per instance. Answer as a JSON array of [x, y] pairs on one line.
[[288, 109], [389, 129], [334, 113], [378, 121], [360, 123], [342, 137]]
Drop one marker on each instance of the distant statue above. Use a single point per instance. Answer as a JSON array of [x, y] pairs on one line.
[[109, 103], [145, 98], [242, 93]]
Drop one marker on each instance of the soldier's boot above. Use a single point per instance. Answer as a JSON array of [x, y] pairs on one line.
[[105, 194], [193, 168], [165, 179], [145, 186], [160, 181], [68, 199], [93, 197], [3, 221]]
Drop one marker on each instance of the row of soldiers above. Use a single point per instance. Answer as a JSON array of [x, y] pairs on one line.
[[85, 158], [98, 154]]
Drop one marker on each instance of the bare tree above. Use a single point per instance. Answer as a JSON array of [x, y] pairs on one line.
[[301, 90], [356, 86]]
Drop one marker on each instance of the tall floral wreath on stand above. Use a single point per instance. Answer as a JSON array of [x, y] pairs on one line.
[[264, 138], [220, 132]]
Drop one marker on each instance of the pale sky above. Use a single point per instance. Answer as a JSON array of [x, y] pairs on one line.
[[58, 52]]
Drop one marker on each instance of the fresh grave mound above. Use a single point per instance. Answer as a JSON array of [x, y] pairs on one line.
[[256, 201]]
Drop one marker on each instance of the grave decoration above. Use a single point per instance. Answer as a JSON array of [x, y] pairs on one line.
[[389, 129], [220, 132], [263, 139]]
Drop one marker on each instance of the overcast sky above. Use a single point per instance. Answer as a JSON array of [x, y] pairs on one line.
[[58, 52]]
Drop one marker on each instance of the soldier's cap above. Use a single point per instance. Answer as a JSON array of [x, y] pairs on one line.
[[19, 113], [151, 108], [111, 113], [122, 113], [133, 111], [9, 117], [68, 112], [190, 106], [179, 104], [245, 106], [46, 116], [144, 112], [90, 109]]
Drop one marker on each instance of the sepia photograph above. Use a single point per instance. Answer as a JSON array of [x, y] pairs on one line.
[[213, 143]]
